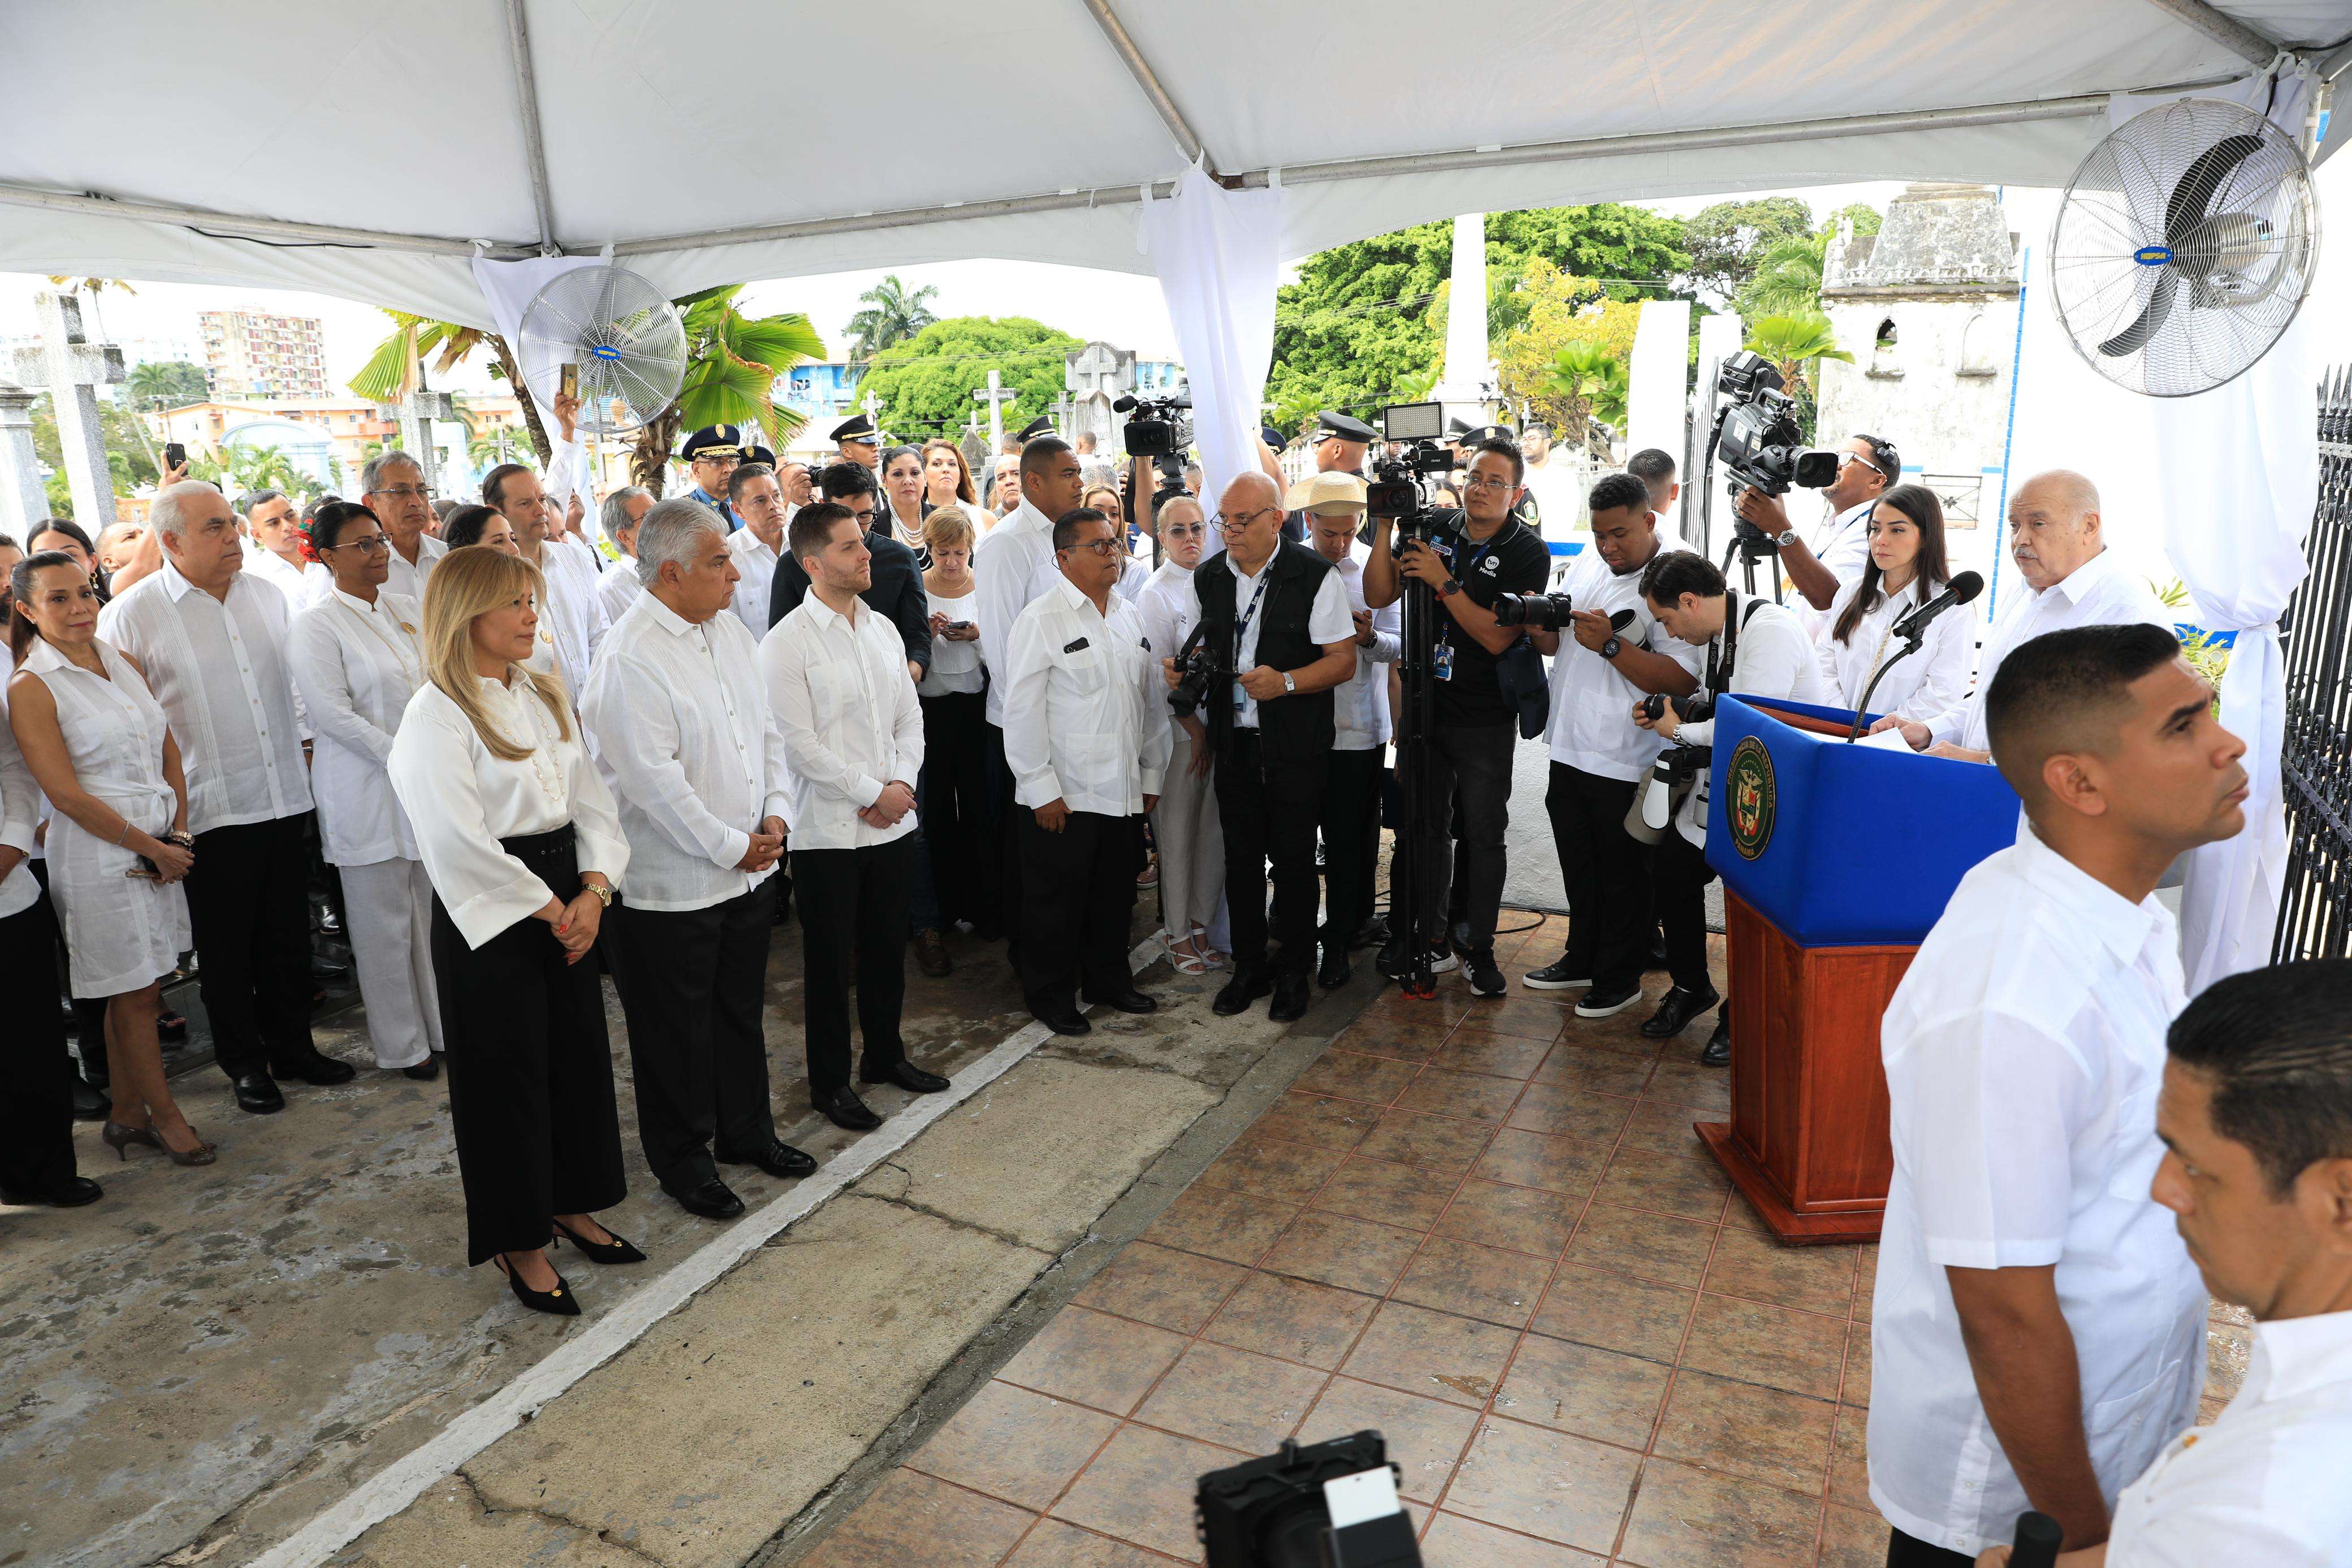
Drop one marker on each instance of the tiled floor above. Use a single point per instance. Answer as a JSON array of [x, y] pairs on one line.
[[1486, 1229]]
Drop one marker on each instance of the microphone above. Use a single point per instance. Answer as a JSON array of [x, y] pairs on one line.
[[1124, 403], [1959, 590]]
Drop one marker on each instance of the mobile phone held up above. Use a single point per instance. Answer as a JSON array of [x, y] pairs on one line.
[[175, 456]]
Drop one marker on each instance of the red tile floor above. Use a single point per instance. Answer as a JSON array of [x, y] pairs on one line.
[[1486, 1229]]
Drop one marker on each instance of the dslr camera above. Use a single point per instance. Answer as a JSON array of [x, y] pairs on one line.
[[1400, 477], [1161, 426], [1199, 664]]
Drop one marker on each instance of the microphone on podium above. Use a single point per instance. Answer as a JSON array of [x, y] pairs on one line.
[[1959, 590]]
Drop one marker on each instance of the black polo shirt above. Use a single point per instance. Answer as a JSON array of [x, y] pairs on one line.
[[1513, 561]]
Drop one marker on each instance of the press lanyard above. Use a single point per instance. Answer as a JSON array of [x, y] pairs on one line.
[[1241, 627], [1446, 632]]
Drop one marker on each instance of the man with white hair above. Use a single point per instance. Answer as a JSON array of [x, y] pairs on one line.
[[619, 517], [685, 736], [212, 640], [2059, 544], [393, 486]]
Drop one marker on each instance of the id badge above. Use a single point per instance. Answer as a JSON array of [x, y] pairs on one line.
[[1446, 661], [1240, 697]]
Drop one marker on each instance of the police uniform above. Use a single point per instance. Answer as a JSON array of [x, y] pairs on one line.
[[714, 441], [1331, 425], [858, 430]]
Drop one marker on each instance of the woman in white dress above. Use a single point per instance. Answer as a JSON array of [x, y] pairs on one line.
[[1906, 569], [1185, 824], [99, 746], [524, 844], [356, 661], [961, 830]]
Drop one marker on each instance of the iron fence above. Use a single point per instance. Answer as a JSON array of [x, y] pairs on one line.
[[2316, 912]]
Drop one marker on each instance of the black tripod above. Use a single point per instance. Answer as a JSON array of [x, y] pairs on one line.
[[1415, 723]]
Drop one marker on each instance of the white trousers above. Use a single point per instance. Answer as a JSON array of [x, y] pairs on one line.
[[389, 909], [1192, 841]]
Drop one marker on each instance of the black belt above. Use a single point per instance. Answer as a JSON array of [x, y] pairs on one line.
[[530, 846]]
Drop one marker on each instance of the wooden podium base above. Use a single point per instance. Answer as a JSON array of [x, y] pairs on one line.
[[1807, 1140]]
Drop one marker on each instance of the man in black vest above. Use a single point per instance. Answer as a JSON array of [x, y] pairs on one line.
[[1280, 613]]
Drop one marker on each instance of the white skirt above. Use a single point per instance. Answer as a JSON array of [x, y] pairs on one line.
[[122, 932]]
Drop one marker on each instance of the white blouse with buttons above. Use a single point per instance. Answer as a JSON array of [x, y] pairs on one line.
[[356, 665]]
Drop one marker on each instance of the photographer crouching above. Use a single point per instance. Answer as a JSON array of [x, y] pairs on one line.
[[1754, 648], [1469, 559]]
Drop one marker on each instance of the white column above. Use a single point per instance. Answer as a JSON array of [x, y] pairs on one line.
[[1469, 371], [22, 502]]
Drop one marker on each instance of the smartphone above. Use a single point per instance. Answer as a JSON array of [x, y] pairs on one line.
[[958, 625], [176, 454], [567, 383]]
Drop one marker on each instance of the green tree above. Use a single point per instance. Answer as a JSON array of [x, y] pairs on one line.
[[168, 383], [1560, 310], [732, 364], [1795, 343], [237, 468], [1723, 241], [892, 314], [396, 369], [1787, 277], [120, 432], [928, 381], [1588, 382]]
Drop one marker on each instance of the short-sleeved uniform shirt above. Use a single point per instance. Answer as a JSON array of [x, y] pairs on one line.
[[1513, 561]]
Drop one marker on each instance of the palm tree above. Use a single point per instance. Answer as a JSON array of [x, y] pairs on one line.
[[732, 364], [239, 469], [1792, 342], [153, 385], [1788, 279], [1589, 384], [488, 449], [892, 316], [396, 369]]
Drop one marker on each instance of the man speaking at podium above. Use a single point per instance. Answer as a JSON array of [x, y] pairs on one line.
[[2039, 1328]]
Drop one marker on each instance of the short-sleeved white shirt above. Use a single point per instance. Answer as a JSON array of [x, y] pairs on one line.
[[1592, 728], [2024, 1053]]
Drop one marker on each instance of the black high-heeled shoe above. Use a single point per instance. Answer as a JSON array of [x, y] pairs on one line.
[[617, 1250], [558, 1302]]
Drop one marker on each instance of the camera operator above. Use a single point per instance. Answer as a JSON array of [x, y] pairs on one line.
[[1841, 545], [1597, 761], [1279, 612], [1754, 648], [1471, 557]]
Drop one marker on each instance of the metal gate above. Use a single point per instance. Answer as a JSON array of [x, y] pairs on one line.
[[2316, 911]]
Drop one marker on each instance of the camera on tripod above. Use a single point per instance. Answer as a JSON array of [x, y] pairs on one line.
[[1199, 666], [1161, 426], [1396, 488], [1757, 437]]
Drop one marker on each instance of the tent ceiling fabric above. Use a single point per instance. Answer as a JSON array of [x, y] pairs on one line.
[[664, 121]]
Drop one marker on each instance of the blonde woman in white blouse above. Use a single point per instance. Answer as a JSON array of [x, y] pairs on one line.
[[523, 845], [1907, 568], [356, 660]]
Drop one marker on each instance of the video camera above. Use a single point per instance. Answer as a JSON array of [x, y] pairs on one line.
[[1162, 427], [1757, 437], [1329, 1505], [1199, 666], [1400, 478]]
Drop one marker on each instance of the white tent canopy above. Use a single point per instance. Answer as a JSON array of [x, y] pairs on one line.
[[372, 150]]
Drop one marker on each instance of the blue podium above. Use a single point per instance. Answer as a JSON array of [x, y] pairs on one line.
[[1836, 859]]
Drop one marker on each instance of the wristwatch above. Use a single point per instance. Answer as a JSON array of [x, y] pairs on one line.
[[1289, 682], [1785, 537], [604, 893], [1449, 588], [1611, 648]]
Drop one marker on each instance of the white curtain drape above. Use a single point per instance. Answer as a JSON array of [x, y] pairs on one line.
[[1218, 255], [2240, 469]]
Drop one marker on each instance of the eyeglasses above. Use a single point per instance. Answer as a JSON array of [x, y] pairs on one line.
[[1233, 524], [1866, 462], [1481, 481], [1105, 547], [1188, 530], [863, 514], [406, 492], [374, 544]]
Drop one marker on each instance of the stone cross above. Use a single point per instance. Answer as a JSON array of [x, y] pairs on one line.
[[417, 413], [1064, 411], [872, 407], [73, 369], [1099, 368], [22, 502], [995, 397]]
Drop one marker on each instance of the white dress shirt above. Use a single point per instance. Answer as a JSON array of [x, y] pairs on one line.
[[1359, 704], [356, 665], [2102, 591], [684, 735], [1169, 609], [219, 670], [756, 560], [1011, 565], [1132, 576], [20, 813], [570, 621], [852, 723], [1841, 544], [1592, 728], [286, 577], [406, 579], [955, 666], [2023, 1052], [1920, 685], [1083, 706], [1773, 657], [2265, 1483], [615, 591], [463, 801], [1328, 621]]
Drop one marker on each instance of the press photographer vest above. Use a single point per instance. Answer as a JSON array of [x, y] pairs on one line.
[[1290, 727]]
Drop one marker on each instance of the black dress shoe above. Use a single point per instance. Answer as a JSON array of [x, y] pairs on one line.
[[318, 1067], [1676, 1010], [1657, 958], [1069, 1020], [71, 1193], [1335, 970], [1127, 1001], [89, 1103], [1292, 993], [258, 1092], [424, 1071], [1370, 934], [714, 1199], [843, 1108], [614, 1247], [1718, 1044], [558, 1302], [907, 1076], [932, 955], [1240, 991], [778, 1159]]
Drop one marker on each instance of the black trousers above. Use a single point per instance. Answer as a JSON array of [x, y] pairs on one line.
[[853, 918], [1009, 815], [250, 911], [1269, 814], [90, 1013], [36, 1154], [1605, 871], [530, 1070], [1678, 875], [1077, 902], [962, 826], [1478, 761], [1910, 1552], [693, 986], [1351, 841]]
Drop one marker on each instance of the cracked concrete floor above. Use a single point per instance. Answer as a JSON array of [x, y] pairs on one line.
[[201, 1362]]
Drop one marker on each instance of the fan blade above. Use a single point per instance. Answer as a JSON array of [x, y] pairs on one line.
[[2151, 317], [2185, 208]]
